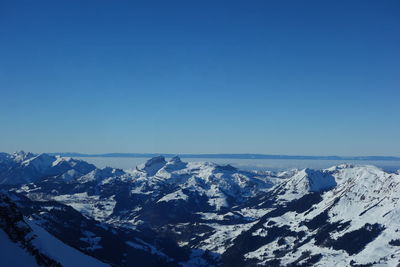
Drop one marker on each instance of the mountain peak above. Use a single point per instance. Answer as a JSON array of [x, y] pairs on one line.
[[153, 165], [227, 167], [101, 174], [319, 180], [301, 182], [21, 155], [40, 162], [155, 161], [175, 159]]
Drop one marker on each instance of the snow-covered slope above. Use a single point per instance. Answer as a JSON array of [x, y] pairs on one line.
[[12, 254], [302, 182], [354, 223], [24, 243], [114, 245]]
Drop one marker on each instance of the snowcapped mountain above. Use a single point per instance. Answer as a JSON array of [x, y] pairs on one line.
[[169, 212], [149, 193], [353, 223], [22, 167]]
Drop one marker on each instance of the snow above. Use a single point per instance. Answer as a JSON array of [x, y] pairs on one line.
[[142, 245], [222, 236], [346, 193], [100, 175], [178, 195], [304, 181], [91, 240], [252, 213], [57, 250], [152, 166], [12, 255], [90, 206], [218, 201], [136, 245], [363, 194], [20, 156], [70, 175], [215, 216], [196, 260], [320, 181], [59, 160], [40, 162]]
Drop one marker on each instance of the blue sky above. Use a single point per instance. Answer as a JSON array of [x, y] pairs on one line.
[[274, 77]]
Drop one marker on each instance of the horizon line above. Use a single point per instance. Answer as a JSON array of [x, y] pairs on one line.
[[225, 155]]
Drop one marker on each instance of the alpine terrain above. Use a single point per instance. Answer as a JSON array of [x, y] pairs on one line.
[[59, 211]]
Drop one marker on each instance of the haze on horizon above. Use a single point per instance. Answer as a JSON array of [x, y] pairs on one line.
[[287, 77]]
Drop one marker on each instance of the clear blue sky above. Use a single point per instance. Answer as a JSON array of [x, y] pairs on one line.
[[274, 77]]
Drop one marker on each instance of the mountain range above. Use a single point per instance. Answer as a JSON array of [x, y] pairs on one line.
[[226, 156], [176, 213]]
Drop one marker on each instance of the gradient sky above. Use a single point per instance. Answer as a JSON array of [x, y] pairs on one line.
[[274, 77]]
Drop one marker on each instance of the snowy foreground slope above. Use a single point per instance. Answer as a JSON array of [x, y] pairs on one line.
[[24, 243], [173, 213]]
